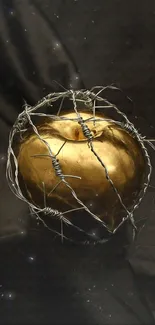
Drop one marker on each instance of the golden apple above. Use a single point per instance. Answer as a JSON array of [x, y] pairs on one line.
[[120, 152]]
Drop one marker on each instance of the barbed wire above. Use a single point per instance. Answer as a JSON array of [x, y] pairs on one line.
[[91, 100]]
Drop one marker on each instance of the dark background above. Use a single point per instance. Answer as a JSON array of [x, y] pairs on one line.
[[79, 44]]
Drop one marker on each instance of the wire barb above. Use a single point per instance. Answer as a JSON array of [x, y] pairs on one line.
[[92, 100]]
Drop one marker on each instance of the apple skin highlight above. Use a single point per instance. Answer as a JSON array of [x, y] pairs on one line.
[[120, 152]]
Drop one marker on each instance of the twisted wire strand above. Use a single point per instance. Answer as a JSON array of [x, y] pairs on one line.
[[87, 133], [150, 143], [60, 215], [15, 186], [59, 173], [89, 99], [34, 210], [131, 128]]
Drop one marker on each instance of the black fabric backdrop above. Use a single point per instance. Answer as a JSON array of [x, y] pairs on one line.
[[78, 44]]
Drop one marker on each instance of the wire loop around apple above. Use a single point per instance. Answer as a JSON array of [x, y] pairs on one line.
[[25, 125]]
